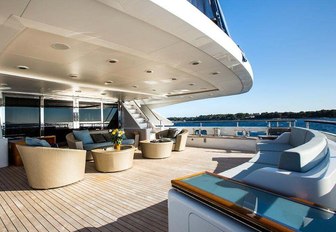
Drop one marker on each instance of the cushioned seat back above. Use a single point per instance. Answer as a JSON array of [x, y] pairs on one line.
[[309, 135], [297, 136], [304, 157], [83, 135]]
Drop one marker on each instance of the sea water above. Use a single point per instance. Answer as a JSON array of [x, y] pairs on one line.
[[261, 123]]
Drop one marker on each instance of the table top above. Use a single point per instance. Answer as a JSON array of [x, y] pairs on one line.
[[111, 149], [256, 206], [156, 141]]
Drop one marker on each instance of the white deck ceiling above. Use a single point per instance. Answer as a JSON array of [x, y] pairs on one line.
[[140, 35]]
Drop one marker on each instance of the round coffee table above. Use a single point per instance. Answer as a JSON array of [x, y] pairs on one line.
[[156, 150], [111, 160]]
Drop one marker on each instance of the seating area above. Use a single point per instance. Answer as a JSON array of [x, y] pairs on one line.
[[296, 164], [89, 140], [51, 167], [178, 137]]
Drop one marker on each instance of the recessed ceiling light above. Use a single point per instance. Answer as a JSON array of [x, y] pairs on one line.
[[196, 62], [192, 84], [108, 82], [113, 61], [74, 76], [215, 73], [149, 71], [22, 67], [174, 79], [60, 46], [135, 86]]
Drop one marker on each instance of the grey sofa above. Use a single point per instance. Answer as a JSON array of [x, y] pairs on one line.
[[73, 143], [298, 164], [179, 140]]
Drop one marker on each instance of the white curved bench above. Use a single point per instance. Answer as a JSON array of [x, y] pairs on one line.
[[297, 164]]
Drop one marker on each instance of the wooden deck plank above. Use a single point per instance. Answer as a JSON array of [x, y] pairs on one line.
[[132, 200], [33, 199]]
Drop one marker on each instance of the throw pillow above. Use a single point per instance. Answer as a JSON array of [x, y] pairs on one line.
[[98, 138], [108, 137], [173, 132], [83, 135], [36, 142]]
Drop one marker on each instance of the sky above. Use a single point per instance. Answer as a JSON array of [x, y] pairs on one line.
[[291, 45]]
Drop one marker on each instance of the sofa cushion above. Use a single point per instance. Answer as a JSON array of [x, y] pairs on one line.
[[297, 136], [164, 140], [273, 146], [173, 132], [243, 170], [309, 135], [128, 142], [304, 157], [269, 158], [98, 138], [36, 142], [91, 146], [83, 135], [108, 137]]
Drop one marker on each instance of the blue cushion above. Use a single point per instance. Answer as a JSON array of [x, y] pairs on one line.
[[83, 135], [128, 142], [91, 146], [36, 142]]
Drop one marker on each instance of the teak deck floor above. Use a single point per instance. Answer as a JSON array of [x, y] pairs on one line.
[[131, 200]]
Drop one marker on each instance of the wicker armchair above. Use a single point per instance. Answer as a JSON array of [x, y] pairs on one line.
[[52, 167], [179, 141]]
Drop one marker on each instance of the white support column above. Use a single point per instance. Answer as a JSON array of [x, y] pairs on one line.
[[102, 115], [76, 113], [2, 114], [41, 116]]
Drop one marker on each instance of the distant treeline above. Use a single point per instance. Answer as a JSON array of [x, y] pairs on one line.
[[254, 116]]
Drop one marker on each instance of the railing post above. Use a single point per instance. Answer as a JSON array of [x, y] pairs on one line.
[[307, 125]]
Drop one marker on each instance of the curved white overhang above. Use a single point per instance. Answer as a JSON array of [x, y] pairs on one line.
[[160, 36]]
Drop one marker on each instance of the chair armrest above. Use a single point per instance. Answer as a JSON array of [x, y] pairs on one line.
[[181, 141], [136, 139], [76, 145]]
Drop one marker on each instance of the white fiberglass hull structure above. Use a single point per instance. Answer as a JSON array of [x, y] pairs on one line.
[[158, 52]]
